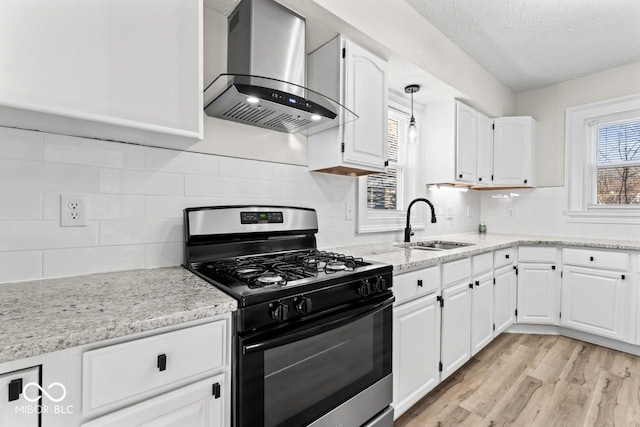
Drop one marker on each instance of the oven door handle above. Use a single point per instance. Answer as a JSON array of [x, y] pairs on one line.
[[310, 331]]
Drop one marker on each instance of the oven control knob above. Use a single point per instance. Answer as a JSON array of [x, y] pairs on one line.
[[304, 305], [381, 284], [280, 311], [365, 288]]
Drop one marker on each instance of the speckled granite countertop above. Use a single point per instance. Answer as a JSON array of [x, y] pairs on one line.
[[405, 259], [42, 316]]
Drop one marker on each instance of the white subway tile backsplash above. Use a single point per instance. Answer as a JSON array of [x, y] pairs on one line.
[[19, 266], [269, 189], [163, 160], [128, 232], [28, 175], [163, 255], [20, 144], [158, 207], [136, 182], [215, 186], [243, 168], [79, 261], [70, 149], [33, 235], [99, 206], [20, 205], [136, 196]]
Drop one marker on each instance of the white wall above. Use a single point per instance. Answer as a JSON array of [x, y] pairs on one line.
[[548, 106], [135, 198]]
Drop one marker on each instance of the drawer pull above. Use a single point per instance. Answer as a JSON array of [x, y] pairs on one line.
[[553, 267], [162, 362], [216, 391], [590, 258], [419, 283], [507, 256], [477, 283], [15, 389]]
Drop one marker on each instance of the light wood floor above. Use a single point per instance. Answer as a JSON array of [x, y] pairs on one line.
[[535, 380]]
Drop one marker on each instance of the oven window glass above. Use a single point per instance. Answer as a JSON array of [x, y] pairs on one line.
[[307, 378]]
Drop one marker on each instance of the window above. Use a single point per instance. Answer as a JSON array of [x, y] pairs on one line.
[[618, 153], [603, 161], [383, 206]]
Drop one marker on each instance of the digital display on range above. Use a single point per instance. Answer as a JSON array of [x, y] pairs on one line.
[[261, 218]]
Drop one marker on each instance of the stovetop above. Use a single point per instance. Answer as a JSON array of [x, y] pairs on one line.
[[258, 278]]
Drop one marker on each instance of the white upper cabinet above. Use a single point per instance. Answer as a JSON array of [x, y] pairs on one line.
[[463, 146], [513, 155], [356, 78], [117, 70], [484, 149], [466, 137]]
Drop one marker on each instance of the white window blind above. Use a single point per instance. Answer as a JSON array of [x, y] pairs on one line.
[[389, 190], [383, 197]]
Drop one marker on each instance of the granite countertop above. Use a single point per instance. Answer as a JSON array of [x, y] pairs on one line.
[[405, 259], [43, 316]]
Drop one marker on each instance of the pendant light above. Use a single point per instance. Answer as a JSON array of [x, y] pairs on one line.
[[412, 132]]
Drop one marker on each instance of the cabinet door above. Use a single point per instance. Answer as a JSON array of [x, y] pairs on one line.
[[416, 351], [456, 328], [129, 71], [195, 405], [484, 149], [466, 128], [512, 151], [16, 409], [538, 294], [365, 94], [594, 301], [481, 313], [504, 294]]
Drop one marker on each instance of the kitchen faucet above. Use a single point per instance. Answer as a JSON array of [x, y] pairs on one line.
[[407, 230]]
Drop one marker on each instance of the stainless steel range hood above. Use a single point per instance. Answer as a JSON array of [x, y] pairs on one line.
[[266, 64]]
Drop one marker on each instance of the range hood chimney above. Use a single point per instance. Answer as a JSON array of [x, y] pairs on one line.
[[266, 70]]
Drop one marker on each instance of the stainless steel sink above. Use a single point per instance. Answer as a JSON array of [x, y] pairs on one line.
[[436, 245]]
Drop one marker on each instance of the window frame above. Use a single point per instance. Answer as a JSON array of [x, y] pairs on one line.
[[581, 166], [379, 220]]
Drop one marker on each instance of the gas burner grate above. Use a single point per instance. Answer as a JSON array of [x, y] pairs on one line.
[[330, 262], [280, 269]]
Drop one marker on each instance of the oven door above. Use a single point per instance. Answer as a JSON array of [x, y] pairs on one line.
[[337, 367]]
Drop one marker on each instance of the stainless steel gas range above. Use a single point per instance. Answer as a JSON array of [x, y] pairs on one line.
[[313, 330]]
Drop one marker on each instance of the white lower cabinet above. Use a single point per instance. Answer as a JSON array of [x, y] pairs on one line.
[[482, 313], [455, 348], [17, 390], [172, 379], [538, 293], [197, 405], [416, 350], [594, 301], [504, 297]]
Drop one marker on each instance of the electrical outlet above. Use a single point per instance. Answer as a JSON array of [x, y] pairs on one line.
[[450, 211], [73, 211], [511, 212], [348, 211]]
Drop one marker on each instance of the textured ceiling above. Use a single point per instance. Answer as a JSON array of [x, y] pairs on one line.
[[528, 44]]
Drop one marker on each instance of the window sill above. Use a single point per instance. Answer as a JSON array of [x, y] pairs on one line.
[[602, 215]]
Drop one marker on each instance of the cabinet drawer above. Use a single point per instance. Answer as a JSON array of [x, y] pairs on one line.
[[482, 263], [125, 372], [537, 254], [504, 257], [455, 271], [596, 258], [416, 283]]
